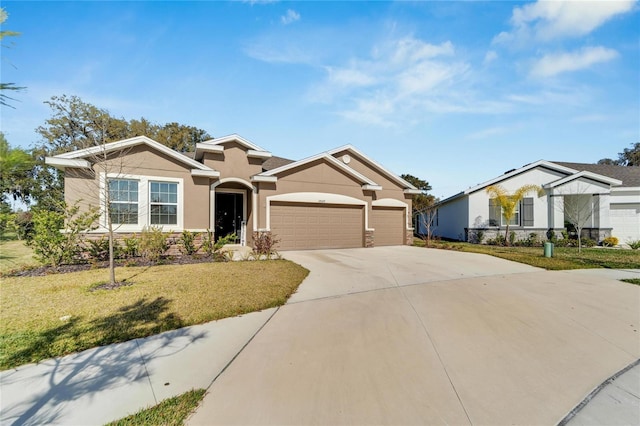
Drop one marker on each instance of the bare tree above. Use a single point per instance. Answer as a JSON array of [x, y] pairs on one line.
[[578, 211], [425, 221], [93, 184]]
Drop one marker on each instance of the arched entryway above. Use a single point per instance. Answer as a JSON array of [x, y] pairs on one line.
[[232, 209]]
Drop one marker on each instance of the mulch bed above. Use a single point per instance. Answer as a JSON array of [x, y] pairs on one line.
[[40, 271]]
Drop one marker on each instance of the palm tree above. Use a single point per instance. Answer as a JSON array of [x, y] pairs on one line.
[[508, 202]]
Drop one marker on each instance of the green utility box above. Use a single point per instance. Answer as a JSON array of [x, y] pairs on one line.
[[548, 249]]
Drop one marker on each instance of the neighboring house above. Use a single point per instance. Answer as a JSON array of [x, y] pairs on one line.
[[611, 192], [336, 199]]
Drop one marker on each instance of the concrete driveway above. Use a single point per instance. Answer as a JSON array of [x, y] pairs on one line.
[[403, 335]]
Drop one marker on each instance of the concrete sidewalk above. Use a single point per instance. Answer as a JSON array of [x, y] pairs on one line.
[[107, 383]]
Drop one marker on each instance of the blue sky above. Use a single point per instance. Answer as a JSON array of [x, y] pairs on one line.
[[453, 92]]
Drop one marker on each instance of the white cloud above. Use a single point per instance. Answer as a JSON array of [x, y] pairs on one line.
[[490, 56], [550, 65], [401, 78], [551, 19], [290, 17]]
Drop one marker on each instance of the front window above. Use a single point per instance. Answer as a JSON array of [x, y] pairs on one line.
[[515, 220], [123, 201], [163, 197]]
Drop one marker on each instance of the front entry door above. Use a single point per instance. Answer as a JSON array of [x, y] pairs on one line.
[[229, 214]]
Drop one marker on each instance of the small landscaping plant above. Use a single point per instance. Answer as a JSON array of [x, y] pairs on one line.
[[634, 244], [264, 244], [153, 243], [610, 242], [187, 241]]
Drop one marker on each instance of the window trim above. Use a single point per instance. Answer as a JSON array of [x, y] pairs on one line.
[[516, 215], [151, 203], [111, 201], [144, 202]]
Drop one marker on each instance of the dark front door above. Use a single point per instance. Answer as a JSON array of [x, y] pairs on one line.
[[229, 214]]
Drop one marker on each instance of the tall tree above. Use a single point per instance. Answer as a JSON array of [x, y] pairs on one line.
[[4, 87], [75, 124], [15, 172], [630, 156], [509, 201], [421, 202]]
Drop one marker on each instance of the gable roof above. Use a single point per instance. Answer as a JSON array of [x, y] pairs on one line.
[[62, 160], [581, 174], [215, 145], [368, 183], [629, 175], [598, 172], [376, 165], [515, 172]]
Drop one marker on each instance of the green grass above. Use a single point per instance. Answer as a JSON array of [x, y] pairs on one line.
[[14, 254], [170, 412], [54, 315], [563, 258], [635, 281]]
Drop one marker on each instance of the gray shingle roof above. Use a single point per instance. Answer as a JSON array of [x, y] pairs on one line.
[[629, 175], [275, 162]]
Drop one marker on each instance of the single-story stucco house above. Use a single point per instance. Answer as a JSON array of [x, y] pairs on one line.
[[336, 199], [611, 194]]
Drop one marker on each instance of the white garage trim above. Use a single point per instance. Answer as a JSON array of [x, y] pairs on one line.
[[318, 198], [392, 202]]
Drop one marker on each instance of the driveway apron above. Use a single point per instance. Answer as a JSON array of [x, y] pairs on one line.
[[402, 335]]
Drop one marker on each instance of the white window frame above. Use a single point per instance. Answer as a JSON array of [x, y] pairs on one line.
[[516, 216], [144, 202], [162, 204], [111, 201]]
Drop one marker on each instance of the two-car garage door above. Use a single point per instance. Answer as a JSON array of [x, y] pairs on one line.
[[301, 226]]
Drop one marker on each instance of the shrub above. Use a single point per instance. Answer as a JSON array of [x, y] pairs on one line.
[[99, 249], [53, 247], [130, 247], [478, 236], [634, 244], [264, 243], [610, 242], [187, 239], [153, 243], [588, 242], [23, 224]]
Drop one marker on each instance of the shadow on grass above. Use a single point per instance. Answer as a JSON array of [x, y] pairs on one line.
[[46, 389]]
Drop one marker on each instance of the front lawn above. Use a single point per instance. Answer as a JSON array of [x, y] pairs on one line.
[[563, 257], [54, 315], [14, 254]]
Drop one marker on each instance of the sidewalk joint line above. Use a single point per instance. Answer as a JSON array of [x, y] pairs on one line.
[[242, 348], [144, 364], [444, 367]]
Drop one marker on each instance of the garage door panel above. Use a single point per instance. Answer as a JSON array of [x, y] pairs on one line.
[[625, 221], [308, 226], [389, 225]]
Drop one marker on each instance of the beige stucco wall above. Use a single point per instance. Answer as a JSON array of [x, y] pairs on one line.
[[318, 176], [390, 188], [233, 162], [143, 161]]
